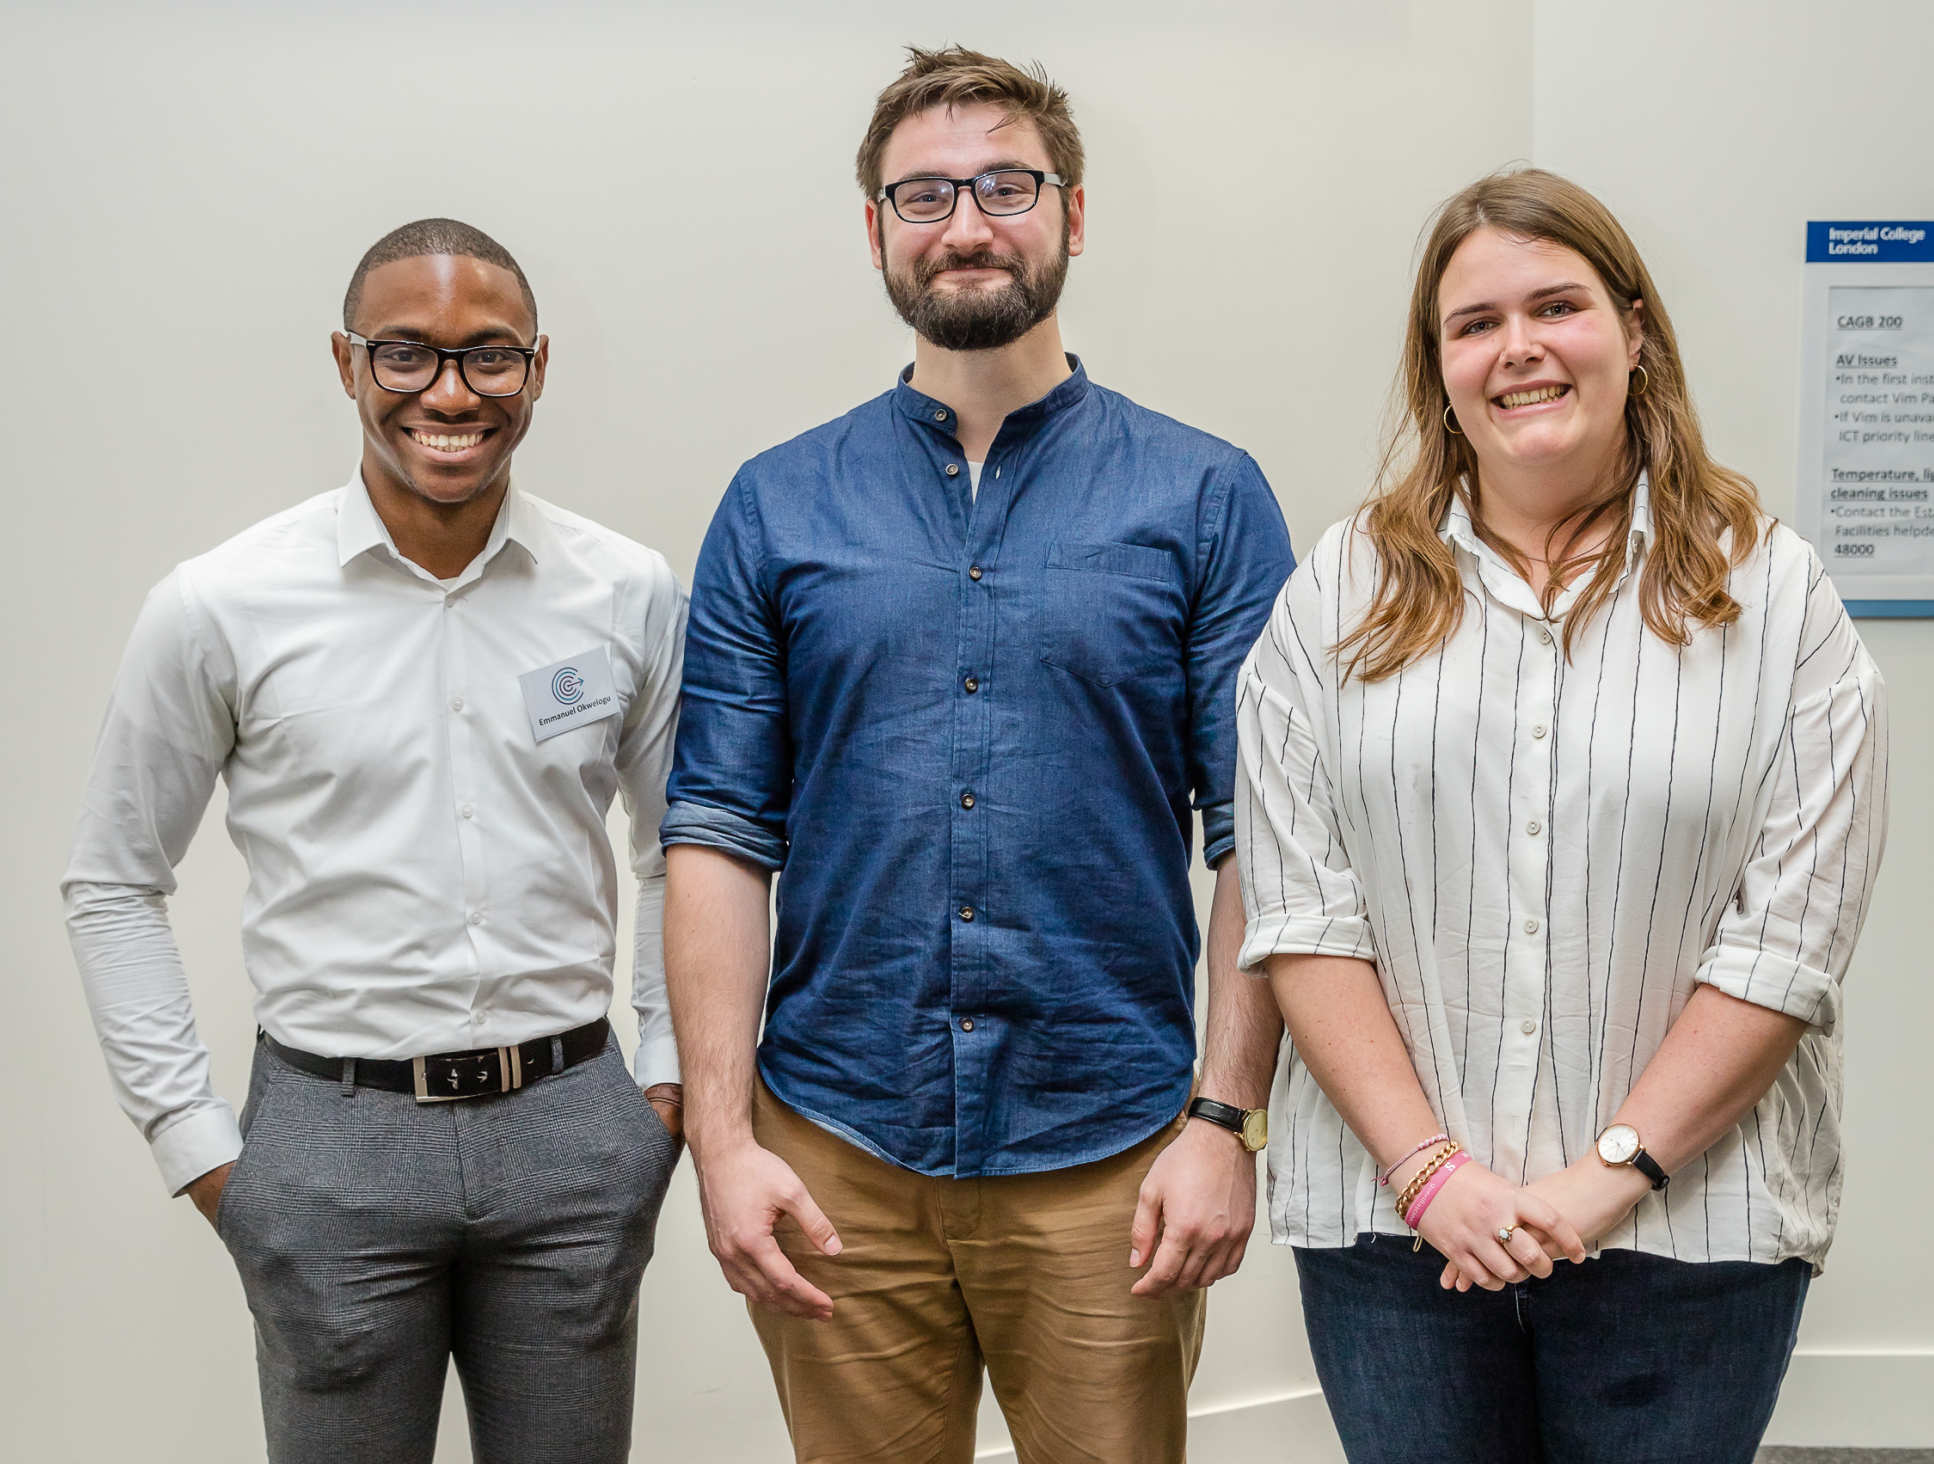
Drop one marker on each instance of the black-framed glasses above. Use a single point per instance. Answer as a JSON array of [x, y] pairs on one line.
[[1000, 194], [411, 366]]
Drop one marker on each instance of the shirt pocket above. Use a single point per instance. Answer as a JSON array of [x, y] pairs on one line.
[[1110, 612]]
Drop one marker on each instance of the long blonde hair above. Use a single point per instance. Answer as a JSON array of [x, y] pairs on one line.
[[1695, 503]]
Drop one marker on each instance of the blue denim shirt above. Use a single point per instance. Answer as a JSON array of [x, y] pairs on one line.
[[968, 735]]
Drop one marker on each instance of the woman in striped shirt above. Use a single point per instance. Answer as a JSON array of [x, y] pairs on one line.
[[1563, 789]]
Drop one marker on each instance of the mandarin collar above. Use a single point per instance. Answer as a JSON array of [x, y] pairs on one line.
[[937, 415]]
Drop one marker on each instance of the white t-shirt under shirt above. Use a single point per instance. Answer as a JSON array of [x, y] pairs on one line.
[[973, 478]]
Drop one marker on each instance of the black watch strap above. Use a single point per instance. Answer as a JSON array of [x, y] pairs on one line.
[[1224, 1115], [1251, 1125], [1646, 1165]]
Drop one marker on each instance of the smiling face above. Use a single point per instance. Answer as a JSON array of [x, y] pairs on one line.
[[973, 283], [1536, 358], [446, 444]]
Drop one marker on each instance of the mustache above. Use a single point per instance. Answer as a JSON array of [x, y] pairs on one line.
[[929, 269]]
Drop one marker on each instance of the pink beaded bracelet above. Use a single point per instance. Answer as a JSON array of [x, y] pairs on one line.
[[1384, 1182], [1422, 1203]]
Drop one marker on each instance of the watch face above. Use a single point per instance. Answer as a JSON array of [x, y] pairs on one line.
[[1255, 1129], [1618, 1144]]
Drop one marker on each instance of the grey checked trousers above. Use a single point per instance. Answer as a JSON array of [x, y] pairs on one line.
[[377, 1238]]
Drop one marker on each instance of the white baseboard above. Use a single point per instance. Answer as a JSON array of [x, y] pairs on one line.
[[1291, 1426], [1874, 1400], [1861, 1400]]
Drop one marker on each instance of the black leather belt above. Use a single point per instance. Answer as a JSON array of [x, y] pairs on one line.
[[445, 1076]]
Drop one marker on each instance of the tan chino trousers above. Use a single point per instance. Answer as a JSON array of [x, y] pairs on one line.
[[1025, 1274]]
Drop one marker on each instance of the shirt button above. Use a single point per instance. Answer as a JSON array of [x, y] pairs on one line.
[[972, 684], [974, 573], [1544, 637], [476, 917], [940, 416], [469, 810], [1530, 927], [966, 912], [1527, 1026], [967, 800], [456, 703], [1539, 730], [953, 470], [1534, 828], [966, 1024]]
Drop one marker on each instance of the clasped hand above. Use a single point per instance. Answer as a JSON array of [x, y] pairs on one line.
[[1548, 1219]]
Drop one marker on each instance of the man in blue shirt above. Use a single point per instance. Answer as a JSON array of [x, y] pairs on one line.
[[959, 663]]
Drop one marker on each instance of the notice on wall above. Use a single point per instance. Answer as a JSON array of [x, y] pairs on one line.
[[1866, 479]]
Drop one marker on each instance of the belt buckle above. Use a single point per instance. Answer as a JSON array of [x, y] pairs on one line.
[[467, 1074]]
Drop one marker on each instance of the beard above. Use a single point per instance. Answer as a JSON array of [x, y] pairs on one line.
[[977, 319]]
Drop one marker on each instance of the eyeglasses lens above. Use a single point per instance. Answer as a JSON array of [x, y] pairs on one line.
[[1006, 193], [493, 371]]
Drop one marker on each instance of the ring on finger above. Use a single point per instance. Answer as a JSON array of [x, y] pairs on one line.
[[1505, 1232]]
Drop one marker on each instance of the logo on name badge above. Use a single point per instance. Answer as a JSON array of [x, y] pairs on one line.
[[569, 694]]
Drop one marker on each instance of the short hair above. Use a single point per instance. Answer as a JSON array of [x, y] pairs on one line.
[[432, 236], [956, 77]]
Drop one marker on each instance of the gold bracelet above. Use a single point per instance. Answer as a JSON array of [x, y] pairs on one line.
[[1436, 1158], [1410, 1196], [1422, 1177]]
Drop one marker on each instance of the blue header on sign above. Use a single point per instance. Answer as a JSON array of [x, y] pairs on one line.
[[1861, 242]]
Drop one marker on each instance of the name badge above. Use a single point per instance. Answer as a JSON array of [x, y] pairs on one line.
[[569, 694]]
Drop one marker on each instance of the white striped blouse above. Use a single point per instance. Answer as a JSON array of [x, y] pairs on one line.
[[1544, 857]]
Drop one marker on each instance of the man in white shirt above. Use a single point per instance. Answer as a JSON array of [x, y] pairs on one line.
[[422, 690]]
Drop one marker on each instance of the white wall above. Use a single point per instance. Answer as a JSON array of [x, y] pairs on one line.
[[1715, 131], [185, 195]]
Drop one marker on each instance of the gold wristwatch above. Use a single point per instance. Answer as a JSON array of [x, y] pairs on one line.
[[1251, 1125], [1619, 1147]]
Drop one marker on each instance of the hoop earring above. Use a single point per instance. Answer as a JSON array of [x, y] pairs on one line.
[[1644, 381], [1450, 425]]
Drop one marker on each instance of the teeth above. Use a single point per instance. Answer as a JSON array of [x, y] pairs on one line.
[[1530, 398], [444, 442]]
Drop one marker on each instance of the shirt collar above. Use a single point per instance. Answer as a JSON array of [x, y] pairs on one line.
[[1503, 582], [1457, 528], [360, 529], [1639, 535], [940, 416]]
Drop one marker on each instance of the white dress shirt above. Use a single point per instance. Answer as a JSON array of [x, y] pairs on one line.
[[425, 874], [1544, 858]]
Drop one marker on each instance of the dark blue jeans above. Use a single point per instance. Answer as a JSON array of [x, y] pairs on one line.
[[1627, 1359]]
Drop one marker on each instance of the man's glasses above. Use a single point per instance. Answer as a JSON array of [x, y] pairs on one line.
[[1000, 194], [410, 366]]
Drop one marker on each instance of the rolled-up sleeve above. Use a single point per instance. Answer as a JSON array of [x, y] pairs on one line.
[[1785, 940], [169, 727], [1299, 893], [731, 782], [1245, 559]]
